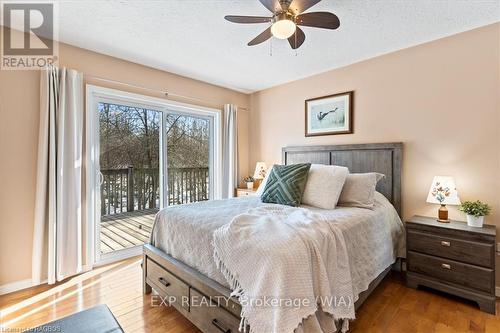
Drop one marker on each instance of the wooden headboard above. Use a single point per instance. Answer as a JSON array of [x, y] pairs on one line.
[[385, 158]]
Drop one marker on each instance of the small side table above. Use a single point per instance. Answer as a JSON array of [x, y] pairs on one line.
[[453, 258], [244, 192]]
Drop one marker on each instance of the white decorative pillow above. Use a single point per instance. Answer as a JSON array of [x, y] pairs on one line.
[[324, 184], [359, 190]]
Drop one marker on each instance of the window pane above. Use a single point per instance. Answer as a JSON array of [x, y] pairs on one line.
[[129, 162], [188, 157]]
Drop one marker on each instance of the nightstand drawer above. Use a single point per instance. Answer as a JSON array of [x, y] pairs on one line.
[[244, 192], [465, 251], [466, 275]]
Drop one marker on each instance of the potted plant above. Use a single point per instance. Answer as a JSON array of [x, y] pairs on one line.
[[249, 180], [476, 211]]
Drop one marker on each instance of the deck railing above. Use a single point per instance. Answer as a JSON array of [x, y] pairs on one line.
[[129, 189]]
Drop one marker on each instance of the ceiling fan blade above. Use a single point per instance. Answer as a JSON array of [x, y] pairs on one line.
[[247, 19], [273, 5], [323, 20], [300, 6], [297, 39], [265, 35]]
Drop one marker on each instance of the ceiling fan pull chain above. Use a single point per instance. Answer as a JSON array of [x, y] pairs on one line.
[[271, 48], [296, 42]]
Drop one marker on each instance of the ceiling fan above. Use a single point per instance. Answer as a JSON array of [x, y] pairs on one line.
[[288, 15]]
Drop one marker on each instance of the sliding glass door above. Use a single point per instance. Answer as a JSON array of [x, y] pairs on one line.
[[129, 161], [146, 154]]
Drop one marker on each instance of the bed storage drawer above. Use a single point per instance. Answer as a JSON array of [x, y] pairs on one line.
[[209, 316], [471, 252], [466, 275], [167, 284]]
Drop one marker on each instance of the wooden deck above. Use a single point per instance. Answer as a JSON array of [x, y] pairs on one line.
[[120, 231]]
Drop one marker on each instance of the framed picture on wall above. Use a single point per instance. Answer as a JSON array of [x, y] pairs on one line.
[[329, 115]]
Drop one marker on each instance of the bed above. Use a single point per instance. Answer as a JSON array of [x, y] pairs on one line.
[[179, 263]]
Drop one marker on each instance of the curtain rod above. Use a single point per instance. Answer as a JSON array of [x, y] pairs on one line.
[[165, 93]]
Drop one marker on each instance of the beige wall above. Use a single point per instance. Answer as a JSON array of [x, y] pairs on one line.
[[441, 99], [19, 108]]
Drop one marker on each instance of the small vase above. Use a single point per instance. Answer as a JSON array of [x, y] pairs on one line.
[[475, 221], [250, 185]]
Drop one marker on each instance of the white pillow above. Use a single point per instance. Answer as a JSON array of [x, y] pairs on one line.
[[359, 190], [324, 185]]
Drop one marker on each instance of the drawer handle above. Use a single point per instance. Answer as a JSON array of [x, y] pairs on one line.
[[164, 282], [446, 266], [220, 327], [444, 243]]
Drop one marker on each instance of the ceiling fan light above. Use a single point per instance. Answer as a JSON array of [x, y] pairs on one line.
[[283, 29]]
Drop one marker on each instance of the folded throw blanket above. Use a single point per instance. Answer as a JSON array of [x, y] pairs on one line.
[[285, 264]]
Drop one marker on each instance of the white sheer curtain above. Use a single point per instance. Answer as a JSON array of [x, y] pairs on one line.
[[57, 239], [229, 150]]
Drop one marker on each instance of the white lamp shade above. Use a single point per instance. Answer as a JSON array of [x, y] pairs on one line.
[[443, 191], [260, 170]]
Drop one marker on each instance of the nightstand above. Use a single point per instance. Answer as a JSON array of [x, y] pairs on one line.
[[244, 192], [452, 257]]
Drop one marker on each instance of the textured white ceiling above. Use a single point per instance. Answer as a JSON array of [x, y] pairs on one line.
[[191, 37]]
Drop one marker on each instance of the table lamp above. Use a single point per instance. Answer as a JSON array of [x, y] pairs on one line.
[[444, 192], [260, 172]]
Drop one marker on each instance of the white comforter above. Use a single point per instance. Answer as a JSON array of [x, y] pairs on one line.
[[374, 238]]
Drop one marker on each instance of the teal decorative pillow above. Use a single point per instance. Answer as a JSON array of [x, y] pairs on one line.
[[286, 184]]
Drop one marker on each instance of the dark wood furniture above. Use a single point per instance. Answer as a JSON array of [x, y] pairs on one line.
[[183, 286], [98, 319], [452, 257]]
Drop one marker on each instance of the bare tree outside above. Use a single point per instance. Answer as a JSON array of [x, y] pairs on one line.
[[130, 148], [188, 140], [130, 158]]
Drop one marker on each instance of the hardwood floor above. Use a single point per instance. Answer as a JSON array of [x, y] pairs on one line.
[[391, 308]]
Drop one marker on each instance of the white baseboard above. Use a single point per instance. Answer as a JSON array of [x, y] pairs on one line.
[[15, 286], [23, 284]]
